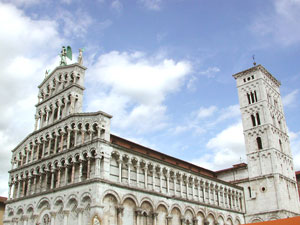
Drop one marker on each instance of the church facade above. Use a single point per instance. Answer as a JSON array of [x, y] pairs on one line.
[[72, 170]]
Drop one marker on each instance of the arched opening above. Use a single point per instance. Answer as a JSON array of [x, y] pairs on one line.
[[259, 143], [248, 96], [280, 145], [253, 120], [250, 193], [257, 118]]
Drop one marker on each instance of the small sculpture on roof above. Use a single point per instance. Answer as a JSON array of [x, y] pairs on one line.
[[64, 54], [80, 57]]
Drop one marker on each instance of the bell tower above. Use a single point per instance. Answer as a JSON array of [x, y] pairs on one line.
[[271, 189]]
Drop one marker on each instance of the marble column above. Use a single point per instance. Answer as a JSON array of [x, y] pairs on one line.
[[66, 215], [36, 122], [52, 178], [187, 188], [169, 220], [80, 171], [153, 179], [9, 190], [174, 181], [41, 182], [168, 182], [66, 174], [62, 141], [55, 144], [49, 146], [34, 183], [68, 138], [180, 182], [80, 214], [154, 216], [29, 186], [88, 168], [137, 175], [75, 137], [73, 173], [146, 177], [138, 214], [58, 177], [23, 187], [120, 210], [129, 172], [204, 193], [53, 215], [160, 180], [82, 136], [97, 166]]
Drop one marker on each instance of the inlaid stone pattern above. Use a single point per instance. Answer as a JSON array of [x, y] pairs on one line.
[[72, 170]]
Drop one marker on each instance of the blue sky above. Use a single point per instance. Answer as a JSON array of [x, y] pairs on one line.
[[162, 68]]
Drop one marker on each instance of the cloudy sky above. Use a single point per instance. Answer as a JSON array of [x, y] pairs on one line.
[[162, 68]]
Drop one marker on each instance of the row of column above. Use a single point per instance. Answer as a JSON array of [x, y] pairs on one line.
[[210, 195], [49, 115], [38, 183], [52, 86], [64, 139], [48, 219]]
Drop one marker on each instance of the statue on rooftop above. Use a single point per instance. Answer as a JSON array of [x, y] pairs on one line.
[[80, 57], [64, 54]]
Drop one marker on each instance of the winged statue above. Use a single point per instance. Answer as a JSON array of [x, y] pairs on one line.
[[64, 54]]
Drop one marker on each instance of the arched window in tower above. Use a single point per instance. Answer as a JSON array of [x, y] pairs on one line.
[[280, 125], [255, 96], [257, 119], [276, 104], [248, 96], [280, 145], [259, 143], [253, 120], [250, 194], [274, 123], [252, 97]]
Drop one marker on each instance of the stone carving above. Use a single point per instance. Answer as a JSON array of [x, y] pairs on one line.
[[80, 57], [96, 221]]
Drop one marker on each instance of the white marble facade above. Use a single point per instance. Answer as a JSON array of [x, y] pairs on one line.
[[72, 170]]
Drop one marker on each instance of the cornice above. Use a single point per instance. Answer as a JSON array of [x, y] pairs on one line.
[[60, 68], [58, 93], [75, 115], [255, 68]]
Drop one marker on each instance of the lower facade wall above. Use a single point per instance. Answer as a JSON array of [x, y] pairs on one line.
[[109, 204]]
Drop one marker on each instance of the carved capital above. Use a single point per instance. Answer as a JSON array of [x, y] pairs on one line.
[[120, 209], [138, 211], [154, 214]]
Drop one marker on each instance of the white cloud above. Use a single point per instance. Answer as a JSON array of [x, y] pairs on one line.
[[25, 3], [66, 1], [117, 5], [27, 46], [206, 118], [280, 22], [226, 149], [290, 98], [74, 23], [295, 147], [210, 72], [137, 84], [152, 4], [206, 112]]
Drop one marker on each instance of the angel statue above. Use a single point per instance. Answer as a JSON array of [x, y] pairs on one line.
[[65, 52]]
